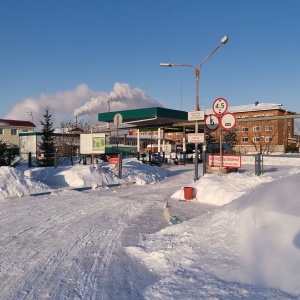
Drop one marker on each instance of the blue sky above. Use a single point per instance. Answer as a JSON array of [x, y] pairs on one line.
[[83, 48]]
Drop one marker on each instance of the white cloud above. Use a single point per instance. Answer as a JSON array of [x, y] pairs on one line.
[[81, 101]]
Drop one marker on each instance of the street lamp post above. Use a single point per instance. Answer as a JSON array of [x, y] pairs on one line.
[[223, 41]]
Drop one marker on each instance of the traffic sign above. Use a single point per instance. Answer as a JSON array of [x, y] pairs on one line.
[[118, 119], [220, 106], [228, 121], [197, 115], [211, 122]]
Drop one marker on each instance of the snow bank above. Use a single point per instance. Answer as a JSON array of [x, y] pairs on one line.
[[246, 248], [15, 184], [23, 181]]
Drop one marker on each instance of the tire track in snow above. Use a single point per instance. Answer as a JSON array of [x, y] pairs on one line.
[[65, 248], [90, 252]]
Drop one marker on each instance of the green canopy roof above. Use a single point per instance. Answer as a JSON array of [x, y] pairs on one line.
[[152, 116]]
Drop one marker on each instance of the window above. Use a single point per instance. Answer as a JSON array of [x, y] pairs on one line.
[[178, 133], [269, 128], [1, 131], [245, 129], [170, 133], [256, 128], [268, 139], [13, 131], [244, 117], [245, 140], [25, 130], [269, 115], [256, 116], [256, 139]]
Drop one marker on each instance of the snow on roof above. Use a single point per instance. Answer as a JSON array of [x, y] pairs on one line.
[[250, 107]]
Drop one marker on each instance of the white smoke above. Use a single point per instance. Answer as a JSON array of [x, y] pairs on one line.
[[80, 101], [122, 97]]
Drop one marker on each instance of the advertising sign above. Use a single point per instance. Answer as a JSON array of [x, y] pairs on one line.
[[228, 160], [98, 144], [114, 159], [92, 143]]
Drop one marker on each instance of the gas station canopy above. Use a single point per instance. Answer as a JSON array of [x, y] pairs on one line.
[[152, 116]]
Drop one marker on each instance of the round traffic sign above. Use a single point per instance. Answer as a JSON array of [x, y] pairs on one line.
[[220, 106], [118, 119], [228, 121], [211, 122]]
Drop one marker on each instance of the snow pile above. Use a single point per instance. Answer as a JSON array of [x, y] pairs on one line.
[[15, 184], [248, 248], [220, 189], [21, 181]]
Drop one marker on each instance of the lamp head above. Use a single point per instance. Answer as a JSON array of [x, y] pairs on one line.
[[165, 65], [225, 39]]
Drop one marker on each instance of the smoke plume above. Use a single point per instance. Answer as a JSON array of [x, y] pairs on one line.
[[81, 101]]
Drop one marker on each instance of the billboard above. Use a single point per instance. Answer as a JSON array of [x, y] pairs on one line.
[[92, 143]]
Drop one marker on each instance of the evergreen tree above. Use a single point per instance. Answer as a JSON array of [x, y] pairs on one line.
[[7, 155], [47, 145], [3, 153]]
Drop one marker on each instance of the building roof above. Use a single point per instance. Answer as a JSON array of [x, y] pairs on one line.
[[252, 107], [17, 123]]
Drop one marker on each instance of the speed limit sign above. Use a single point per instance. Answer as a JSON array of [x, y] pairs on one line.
[[220, 106], [211, 122]]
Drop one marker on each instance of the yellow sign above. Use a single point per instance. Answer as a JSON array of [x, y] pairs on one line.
[[98, 144]]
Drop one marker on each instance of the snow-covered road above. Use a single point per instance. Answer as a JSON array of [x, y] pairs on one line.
[[70, 245]]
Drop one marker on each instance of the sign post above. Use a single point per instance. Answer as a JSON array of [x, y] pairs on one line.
[[220, 106], [220, 120], [118, 119], [196, 116]]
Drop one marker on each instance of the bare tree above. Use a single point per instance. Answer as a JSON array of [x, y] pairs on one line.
[[262, 136], [69, 140]]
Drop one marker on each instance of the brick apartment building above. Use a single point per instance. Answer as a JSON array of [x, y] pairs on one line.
[[263, 135], [256, 135]]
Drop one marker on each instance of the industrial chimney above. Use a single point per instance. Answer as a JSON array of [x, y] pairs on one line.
[[75, 121]]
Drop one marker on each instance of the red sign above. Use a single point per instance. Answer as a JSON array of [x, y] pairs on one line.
[[114, 159], [228, 160], [196, 138], [211, 122], [228, 121], [220, 106]]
